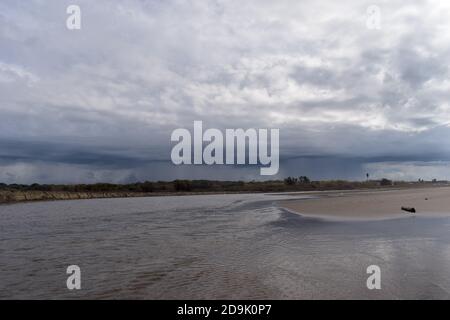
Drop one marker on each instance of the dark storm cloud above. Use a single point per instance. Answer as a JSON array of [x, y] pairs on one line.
[[100, 103], [25, 151]]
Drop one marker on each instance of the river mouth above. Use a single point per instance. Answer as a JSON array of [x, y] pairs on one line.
[[215, 247]]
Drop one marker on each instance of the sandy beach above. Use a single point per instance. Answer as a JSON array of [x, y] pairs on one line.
[[372, 205]]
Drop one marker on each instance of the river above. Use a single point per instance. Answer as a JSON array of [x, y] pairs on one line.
[[240, 246]]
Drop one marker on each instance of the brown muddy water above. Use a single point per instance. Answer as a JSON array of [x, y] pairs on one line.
[[215, 247]]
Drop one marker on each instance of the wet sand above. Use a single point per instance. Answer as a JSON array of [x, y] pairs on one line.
[[372, 205]]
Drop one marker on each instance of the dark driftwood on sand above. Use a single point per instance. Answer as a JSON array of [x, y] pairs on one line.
[[409, 209]]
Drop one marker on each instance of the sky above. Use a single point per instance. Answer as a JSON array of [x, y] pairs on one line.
[[99, 104]]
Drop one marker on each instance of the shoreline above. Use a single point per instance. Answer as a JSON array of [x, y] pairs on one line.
[[14, 197], [373, 205], [8, 197]]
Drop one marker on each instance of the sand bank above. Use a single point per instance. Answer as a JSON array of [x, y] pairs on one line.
[[371, 205]]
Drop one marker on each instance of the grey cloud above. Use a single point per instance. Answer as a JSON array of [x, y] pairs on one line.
[[100, 103]]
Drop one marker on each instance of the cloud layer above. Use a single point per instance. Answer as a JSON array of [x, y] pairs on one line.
[[99, 104]]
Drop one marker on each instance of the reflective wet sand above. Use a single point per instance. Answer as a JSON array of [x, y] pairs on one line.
[[369, 205]]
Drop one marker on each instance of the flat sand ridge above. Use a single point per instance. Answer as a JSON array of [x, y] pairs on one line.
[[374, 204]]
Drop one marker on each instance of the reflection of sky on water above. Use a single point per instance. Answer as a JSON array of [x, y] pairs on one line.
[[223, 246], [413, 254]]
